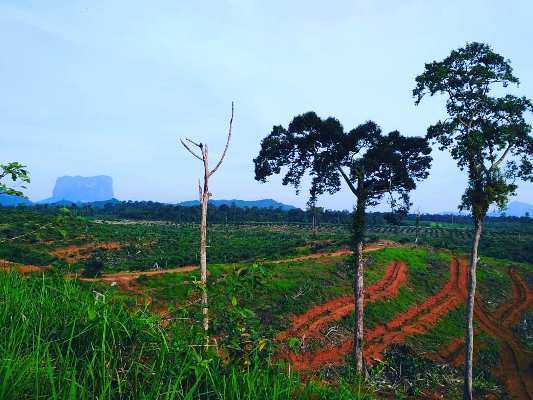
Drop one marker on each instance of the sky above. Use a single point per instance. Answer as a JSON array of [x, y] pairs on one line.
[[107, 87]]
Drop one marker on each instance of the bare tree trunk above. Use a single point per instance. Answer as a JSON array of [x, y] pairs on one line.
[[359, 304], [204, 198], [358, 237], [314, 221], [469, 329]]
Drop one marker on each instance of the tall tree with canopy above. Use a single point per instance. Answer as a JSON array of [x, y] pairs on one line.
[[371, 164], [204, 195], [16, 172], [486, 135]]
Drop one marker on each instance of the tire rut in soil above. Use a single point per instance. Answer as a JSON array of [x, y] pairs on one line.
[[416, 320], [515, 367], [308, 325]]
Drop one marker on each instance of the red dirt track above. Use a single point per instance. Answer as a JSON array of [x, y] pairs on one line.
[[416, 320], [127, 280], [515, 368], [516, 362], [522, 299], [308, 324], [124, 279], [380, 244]]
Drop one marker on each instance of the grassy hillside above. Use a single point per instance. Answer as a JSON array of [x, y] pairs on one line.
[[273, 303]]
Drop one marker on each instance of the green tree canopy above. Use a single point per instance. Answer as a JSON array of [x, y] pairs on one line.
[[372, 164], [481, 131]]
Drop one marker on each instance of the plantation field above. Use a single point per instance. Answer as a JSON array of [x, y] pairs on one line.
[[507, 241], [281, 308], [68, 242]]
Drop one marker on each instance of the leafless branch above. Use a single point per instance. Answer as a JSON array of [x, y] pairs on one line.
[[193, 142], [227, 144], [190, 151]]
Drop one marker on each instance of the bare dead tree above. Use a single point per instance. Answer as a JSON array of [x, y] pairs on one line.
[[204, 195]]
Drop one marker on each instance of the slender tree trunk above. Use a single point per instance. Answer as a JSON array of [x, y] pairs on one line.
[[359, 303], [204, 198], [358, 236], [314, 221], [469, 329]]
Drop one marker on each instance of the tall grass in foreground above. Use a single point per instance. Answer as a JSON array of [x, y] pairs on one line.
[[61, 341]]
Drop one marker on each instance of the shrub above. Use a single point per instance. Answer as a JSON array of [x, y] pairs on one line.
[[93, 267]]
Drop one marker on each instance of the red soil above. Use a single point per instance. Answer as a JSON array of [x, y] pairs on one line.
[[22, 268], [75, 253], [416, 320], [337, 253], [127, 281], [453, 353], [124, 277], [516, 362], [522, 299], [515, 368], [342, 252], [308, 325]]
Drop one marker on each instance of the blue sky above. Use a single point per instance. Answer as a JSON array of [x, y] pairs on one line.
[[107, 87]]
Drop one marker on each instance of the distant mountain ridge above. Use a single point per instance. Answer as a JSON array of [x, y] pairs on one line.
[[263, 203]]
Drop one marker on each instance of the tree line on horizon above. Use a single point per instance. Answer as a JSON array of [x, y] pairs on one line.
[[231, 214]]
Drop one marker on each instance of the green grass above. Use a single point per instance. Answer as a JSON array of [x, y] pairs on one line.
[[59, 341], [449, 328], [427, 272], [272, 291]]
